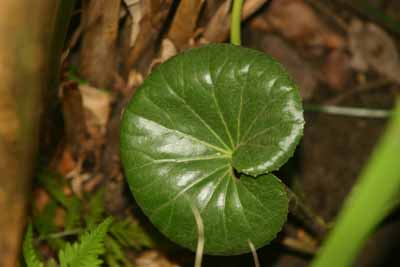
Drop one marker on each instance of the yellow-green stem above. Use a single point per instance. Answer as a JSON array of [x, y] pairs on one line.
[[235, 22], [374, 195]]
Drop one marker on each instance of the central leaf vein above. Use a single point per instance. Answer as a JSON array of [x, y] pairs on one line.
[[241, 100], [191, 137], [188, 107], [218, 107]]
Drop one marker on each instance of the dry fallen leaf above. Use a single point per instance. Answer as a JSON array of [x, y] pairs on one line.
[[97, 104], [41, 198], [217, 29], [167, 51], [59, 219], [336, 71], [372, 47], [298, 22], [153, 258], [135, 11], [66, 163], [296, 66], [184, 22], [135, 79]]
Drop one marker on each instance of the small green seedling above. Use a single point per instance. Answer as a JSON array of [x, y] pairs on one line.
[[207, 128]]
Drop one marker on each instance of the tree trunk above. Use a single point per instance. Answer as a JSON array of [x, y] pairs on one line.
[[98, 52], [28, 38]]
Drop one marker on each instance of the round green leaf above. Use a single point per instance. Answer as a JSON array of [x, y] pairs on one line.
[[199, 121]]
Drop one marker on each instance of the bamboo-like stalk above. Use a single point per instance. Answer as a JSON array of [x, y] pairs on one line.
[[29, 30], [372, 198]]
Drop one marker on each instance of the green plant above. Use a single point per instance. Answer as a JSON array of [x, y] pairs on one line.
[[84, 253], [235, 22], [81, 217], [208, 127], [30, 256], [373, 197]]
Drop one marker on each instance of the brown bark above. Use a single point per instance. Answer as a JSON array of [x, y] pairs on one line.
[[27, 29], [155, 13], [217, 29], [184, 22], [98, 52]]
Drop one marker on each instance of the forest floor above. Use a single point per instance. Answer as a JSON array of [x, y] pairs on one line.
[[337, 52]]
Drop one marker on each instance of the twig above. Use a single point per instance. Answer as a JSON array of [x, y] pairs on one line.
[[200, 234], [321, 6], [251, 6], [372, 13], [301, 211], [254, 253], [61, 234], [299, 246], [350, 111], [362, 88]]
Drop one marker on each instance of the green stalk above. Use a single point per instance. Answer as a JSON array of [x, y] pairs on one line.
[[371, 200], [235, 22]]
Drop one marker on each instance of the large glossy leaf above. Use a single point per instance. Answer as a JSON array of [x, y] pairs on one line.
[[207, 127]]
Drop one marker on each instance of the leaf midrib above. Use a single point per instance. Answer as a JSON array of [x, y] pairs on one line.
[[226, 152]]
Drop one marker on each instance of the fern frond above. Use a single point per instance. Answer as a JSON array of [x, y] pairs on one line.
[[44, 221], [73, 215], [86, 252], [130, 234], [51, 182], [30, 256], [54, 185], [115, 256], [95, 209]]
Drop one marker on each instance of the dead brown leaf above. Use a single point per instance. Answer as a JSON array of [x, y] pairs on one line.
[[153, 258], [135, 11], [74, 116], [217, 30], [184, 22], [86, 111], [373, 48], [135, 79], [91, 184], [66, 162], [296, 66], [41, 198], [168, 50], [97, 104], [59, 219], [100, 20], [298, 22], [336, 70], [155, 13]]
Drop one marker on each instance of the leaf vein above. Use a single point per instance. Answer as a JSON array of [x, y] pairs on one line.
[[186, 189], [194, 112], [191, 137]]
